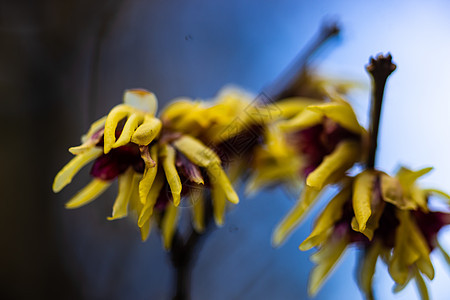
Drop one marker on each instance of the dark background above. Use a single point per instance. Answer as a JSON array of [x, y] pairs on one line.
[[65, 63]]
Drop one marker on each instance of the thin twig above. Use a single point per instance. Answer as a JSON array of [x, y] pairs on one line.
[[379, 68]]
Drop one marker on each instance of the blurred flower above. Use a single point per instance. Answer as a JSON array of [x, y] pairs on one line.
[[387, 217], [329, 141], [154, 165]]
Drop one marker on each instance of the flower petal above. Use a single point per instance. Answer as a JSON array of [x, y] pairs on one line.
[[96, 126], [147, 131], [363, 187], [169, 224], [168, 157], [290, 107], [134, 120], [391, 191], [141, 100], [152, 197], [295, 215], [219, 180], [196, 151], [332, 213], [64, 177], [334, 165], [219, 205], [88, 194], [421, 286], [114, 117], [340, 112], [198, 210], [305, 119], [145, 229], [126, 185], [326, 258], [367, 268], [149, 174]]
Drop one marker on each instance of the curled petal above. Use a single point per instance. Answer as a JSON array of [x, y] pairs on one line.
[[64, 177], [128, 129], [145, 229], [88, 194], [295, 216], [147, 131], [114, 117], [168, 162], [392, 192]]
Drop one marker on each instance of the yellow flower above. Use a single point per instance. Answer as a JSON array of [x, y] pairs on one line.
[[329, 141], [385, 217], [155, 168]]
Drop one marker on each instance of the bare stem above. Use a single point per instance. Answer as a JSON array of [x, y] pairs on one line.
[[183, 254], [379, 68]]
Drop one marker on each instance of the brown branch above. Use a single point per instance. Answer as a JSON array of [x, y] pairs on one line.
[[379, 68]]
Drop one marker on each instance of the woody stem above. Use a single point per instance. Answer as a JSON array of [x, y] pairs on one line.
[[183, 254], [379, 68]]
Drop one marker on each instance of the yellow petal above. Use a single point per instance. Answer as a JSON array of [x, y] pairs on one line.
[[342, 113], [362, 197], [169, 225], [196, 151], [289, 107], [128, 129], [295, 215], [408, 177], [367, 268], [88, 194], [332, 213], [306, 118], [219, 180], [64, 177], [149, 175], [326, 258], [219, 205], [392, 192], [334, 165], [147, 131], [114, 117], [444, 253], [198, 210], [96, 126], [152, 197], [421, 286], [168, 157], [126, 184], [142, 100], [145, 229], [438, 193]]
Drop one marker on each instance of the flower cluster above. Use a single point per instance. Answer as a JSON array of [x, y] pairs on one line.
[[311, 138], [387, 217], [155, 167]]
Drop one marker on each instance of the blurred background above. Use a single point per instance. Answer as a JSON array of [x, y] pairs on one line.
[[63, 64]]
